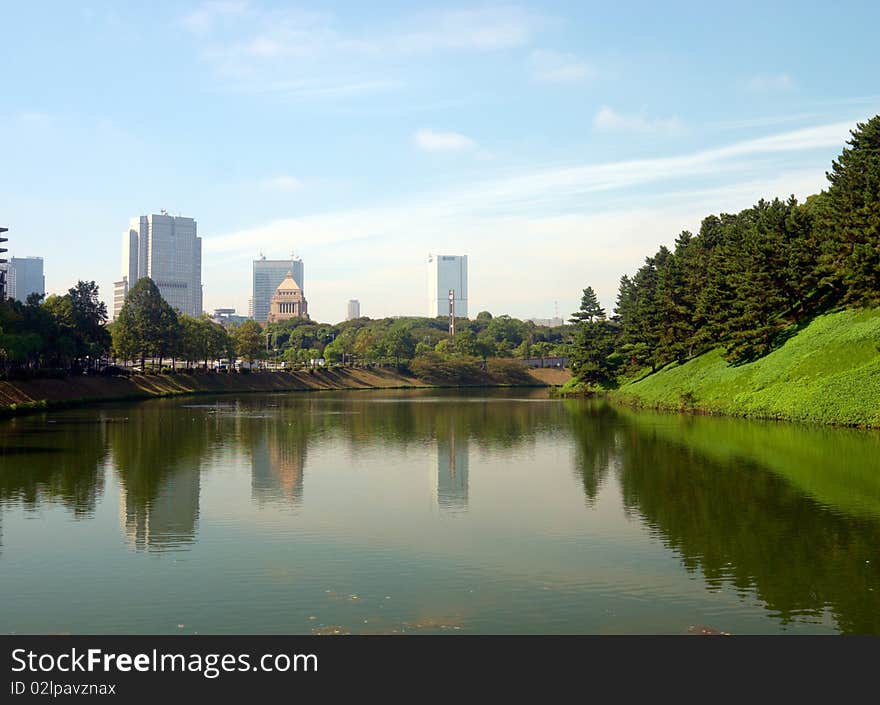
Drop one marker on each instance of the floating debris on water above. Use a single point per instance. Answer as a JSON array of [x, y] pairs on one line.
[[703, 630], [329, 631]]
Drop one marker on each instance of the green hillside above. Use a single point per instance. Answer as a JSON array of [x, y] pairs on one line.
[[829, 372]]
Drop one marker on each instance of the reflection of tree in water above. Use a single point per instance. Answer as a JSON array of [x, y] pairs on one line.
[[278, 441], [594, 429], [741, 524], [493, 423], [42, 462], [158, 456]]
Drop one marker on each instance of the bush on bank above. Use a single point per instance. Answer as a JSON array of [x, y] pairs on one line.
[[435, 368]]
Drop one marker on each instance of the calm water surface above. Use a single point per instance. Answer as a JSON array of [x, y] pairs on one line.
[[425, 512]]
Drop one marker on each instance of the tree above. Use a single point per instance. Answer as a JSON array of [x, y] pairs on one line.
[[399, 342], [850, 220], [249, 341], [89, 315], [592, 358], [590, 309], [217, 340], [64, 342], [367, 345], [146, 325], [422, 349], [191, 347], [507, 333]]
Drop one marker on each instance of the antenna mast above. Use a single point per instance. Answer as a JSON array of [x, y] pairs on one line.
[[452, 313]]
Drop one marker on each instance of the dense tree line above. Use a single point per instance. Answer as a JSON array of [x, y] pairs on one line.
[[745, 279], [71, 333], [149, 329], [396, 340], [65, 332]]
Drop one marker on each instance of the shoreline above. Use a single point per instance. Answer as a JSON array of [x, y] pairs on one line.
[[34, 396], [631, 401]]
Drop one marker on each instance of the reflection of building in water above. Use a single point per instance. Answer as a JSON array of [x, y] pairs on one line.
[[452, 471], [277, 469], [168, 519]]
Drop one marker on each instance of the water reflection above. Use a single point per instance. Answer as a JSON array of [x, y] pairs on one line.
[[278, 459], [453, 462], [58, 462], [738, 521], [785, 515], [158, 451], [594, 429]]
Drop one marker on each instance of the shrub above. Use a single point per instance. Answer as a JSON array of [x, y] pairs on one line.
[[508, 371], [437, 369]]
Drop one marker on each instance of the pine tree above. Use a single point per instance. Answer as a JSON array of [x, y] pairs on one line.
[[850, 223], [592, 358], [590, 309]]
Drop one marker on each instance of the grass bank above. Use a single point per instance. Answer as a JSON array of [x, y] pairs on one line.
[[828, 372], [39, 394]]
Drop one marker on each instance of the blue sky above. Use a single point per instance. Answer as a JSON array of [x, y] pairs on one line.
[[557, 144]]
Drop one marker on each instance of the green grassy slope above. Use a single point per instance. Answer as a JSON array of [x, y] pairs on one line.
[[828, 373]]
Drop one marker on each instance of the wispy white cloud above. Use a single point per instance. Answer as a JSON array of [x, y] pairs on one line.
[[435, 141], [274, 50], [208, 15], [486, 29], [771, 83], [609, 119], [282, 183], [556, 67], [321, 87], [35, 118], [550, 206]]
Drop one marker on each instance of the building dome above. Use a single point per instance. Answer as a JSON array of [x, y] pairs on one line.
[[288, 301]]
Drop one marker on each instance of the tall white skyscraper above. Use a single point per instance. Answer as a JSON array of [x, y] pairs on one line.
[[167, 249], [447, 272], [268, 275], [25, 277], [354, 310]]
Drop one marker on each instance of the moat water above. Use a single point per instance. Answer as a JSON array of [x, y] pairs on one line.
[[432, 512]]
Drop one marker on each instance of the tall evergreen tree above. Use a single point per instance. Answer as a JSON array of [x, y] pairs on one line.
[[850, 220], [590, 309]]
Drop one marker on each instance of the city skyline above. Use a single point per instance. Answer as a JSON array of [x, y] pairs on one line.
[[547, 139]]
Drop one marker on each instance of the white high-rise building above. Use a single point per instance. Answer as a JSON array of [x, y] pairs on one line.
[[167, 249], [268, 275], [25, 277], [447, 272], [354, 310]]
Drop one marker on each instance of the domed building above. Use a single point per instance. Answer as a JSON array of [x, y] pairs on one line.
[[288, 302]]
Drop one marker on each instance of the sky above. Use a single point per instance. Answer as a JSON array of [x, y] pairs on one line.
[[557, 144]]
